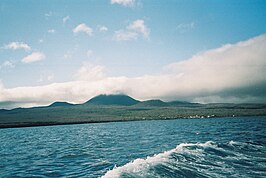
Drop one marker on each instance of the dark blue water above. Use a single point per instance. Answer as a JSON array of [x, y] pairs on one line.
[[220, 147]]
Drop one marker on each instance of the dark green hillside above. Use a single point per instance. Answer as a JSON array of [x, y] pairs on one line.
[[108, 108], [158, 103], [60, 104], [122, 100], [183, 104]]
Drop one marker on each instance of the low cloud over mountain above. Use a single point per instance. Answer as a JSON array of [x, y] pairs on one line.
[[231, 73]]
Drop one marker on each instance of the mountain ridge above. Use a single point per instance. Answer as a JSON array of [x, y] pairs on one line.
[[105, 108], [118, 100]]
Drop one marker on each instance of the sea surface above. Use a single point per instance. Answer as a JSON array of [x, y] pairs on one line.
[[214, 147]]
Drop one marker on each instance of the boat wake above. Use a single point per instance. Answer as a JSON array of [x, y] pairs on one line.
[[210, 159]]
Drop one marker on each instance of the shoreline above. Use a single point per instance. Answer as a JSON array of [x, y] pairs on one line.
[[85, 114], [42, 124]]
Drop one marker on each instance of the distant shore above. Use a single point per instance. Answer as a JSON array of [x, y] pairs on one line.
[[39, 124], [119, 108]]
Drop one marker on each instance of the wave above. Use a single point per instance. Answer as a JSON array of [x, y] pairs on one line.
[[209, 159]]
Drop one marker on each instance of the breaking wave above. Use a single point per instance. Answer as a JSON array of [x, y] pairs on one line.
[[209, 159]]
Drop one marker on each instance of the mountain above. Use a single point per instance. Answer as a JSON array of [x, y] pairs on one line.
[[60, 104], [158, 103], [101, 109], [122, 100]]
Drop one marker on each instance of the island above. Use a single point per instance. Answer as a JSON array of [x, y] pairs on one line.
[[114, 108]]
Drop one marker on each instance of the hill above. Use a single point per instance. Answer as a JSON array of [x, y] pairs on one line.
[[108, 108], [157, 103], [60, 104], [121, 100], [183, 104]]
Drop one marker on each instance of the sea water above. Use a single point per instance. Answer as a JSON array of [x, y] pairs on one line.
[[214, 147]]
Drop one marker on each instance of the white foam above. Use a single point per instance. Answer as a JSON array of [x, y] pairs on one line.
[[207, 162], [234, 143], [140, 165]]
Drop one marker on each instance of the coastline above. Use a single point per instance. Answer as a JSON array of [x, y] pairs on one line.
[[119, 108], [40, 124]]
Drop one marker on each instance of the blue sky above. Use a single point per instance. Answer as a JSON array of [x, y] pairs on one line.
[[123, 38]]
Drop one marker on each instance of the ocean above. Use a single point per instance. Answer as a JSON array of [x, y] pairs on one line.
[[213, 147]]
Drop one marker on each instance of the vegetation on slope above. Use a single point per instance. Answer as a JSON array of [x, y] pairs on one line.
[[111, 108]]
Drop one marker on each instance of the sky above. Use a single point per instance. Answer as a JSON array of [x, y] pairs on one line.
[[198, 51]]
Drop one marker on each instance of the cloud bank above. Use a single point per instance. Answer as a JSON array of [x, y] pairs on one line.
[[231, 73]]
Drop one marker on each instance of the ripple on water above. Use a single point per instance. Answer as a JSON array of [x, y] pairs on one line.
[[131, 149]]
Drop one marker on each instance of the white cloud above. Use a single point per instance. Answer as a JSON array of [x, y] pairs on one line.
[[18, 45], [103, 29], [139, 26], [231, 73], [51, 31], [184, 27], [122, 35], [83, 28], [229, 67], [126, 3], [41, 40], [90, 72], [65, 19], [133, 31], [74, 91], [33, 57], [7, 64]]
